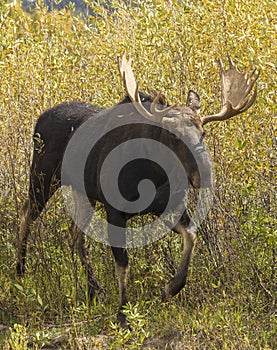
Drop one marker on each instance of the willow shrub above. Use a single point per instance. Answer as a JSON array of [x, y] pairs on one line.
[[46, 58]]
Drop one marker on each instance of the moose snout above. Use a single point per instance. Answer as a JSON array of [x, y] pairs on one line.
[[201, 175]]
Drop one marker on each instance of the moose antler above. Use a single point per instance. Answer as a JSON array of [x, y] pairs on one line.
[[235, 94], [131, 87]]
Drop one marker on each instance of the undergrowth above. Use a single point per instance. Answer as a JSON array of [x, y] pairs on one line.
[[229, 301]]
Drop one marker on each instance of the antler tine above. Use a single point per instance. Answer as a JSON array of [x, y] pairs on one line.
[[221, 66], [131, 87], [231, 63], [250, 102], [235, 94], [127, 76], [253, 73], [245, 104]]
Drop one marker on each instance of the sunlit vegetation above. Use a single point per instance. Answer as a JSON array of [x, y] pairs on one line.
[[229, 301]]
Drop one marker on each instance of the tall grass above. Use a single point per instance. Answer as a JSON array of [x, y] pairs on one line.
[[46, 58]]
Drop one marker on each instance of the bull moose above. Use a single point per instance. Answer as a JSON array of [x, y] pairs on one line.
[[180, 128]]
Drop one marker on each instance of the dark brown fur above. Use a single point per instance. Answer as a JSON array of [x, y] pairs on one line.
[[52, 134]]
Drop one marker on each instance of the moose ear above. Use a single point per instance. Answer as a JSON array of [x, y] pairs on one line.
[[162, 99], [193, 101]]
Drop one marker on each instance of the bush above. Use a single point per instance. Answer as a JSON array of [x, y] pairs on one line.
[[46, 58]]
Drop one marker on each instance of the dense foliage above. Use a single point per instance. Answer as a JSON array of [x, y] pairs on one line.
[[46, 58]]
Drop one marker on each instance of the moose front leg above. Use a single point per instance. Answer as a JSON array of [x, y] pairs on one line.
[[121, 268], [189, 234], [117, 240]]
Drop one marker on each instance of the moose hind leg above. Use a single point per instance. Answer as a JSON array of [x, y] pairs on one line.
[[39, 194], [83, 214], [80, 244], [25, 221], [30, 210], [179, 280]]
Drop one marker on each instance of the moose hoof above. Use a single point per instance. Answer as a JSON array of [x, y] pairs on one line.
[[20, 269], [92, 291], [166, 295], [95, 289], [121, 319]]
